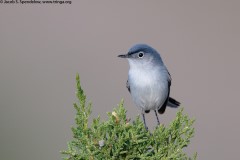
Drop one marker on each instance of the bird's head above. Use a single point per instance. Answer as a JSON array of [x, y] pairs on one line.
[[142, 55]]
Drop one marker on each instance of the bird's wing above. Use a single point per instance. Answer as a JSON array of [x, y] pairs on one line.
[[128, 86], [169, 79], [162, 109]]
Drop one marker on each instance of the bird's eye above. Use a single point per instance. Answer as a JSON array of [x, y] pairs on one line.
[[140, 54]]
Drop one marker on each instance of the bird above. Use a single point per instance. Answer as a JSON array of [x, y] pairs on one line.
[[148, 81]]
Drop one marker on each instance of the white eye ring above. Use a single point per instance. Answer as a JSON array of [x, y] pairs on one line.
[[140, 54]]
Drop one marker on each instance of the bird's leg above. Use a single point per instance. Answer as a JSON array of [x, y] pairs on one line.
[[143, 116], [157, 117]]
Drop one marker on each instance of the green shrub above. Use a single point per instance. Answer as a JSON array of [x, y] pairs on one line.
[[117, 138]]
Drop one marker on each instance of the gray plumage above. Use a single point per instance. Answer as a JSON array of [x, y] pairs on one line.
[[148, 80]]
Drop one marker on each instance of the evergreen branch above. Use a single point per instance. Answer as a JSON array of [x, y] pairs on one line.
[[117, 138]]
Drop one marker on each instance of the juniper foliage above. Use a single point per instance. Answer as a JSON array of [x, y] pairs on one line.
[[117, 138]]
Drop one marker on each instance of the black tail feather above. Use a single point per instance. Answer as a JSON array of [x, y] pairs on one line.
[[173, 103]]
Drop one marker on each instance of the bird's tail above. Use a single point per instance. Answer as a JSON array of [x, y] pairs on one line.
[[173, 103]]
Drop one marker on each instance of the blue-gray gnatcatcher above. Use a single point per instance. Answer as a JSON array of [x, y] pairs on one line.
[[148, 80]]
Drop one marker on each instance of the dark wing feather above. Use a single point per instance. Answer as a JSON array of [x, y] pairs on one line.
[[162, 109], [128, 86]]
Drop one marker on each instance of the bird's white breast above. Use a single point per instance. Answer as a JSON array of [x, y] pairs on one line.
[[149, 87]]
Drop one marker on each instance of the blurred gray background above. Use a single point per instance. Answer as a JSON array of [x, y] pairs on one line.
[[42, 47]]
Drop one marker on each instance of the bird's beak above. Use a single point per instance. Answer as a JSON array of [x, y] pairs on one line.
[[123, 56]]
